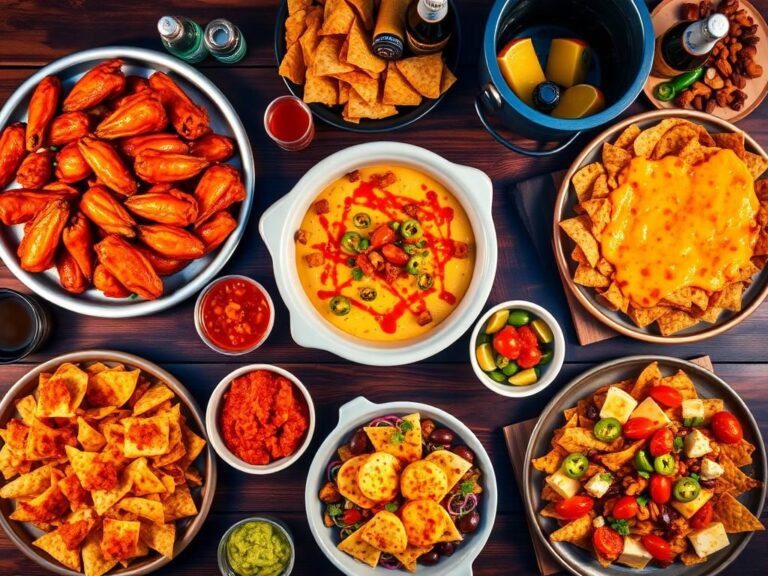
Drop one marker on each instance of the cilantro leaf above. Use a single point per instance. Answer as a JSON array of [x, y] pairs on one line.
[[391, 507], [398, 437], [606, 477], [357, 274], [642, 500], [678, 443], [405, 426], [621, 526], [467, 487], [334, 510]]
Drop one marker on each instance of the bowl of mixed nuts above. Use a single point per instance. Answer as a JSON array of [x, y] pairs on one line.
[[734, 80]]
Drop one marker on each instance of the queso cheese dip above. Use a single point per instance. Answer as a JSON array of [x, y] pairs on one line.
[[385, 253]]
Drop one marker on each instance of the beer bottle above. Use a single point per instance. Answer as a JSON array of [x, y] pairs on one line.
[[688, 44], [427, 26], [182, 37], [389, 33]]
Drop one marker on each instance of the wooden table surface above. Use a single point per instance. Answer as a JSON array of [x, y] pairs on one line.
[[32, 33]]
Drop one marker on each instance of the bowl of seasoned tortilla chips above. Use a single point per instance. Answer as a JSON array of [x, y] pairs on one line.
[[661, 226], [632, 471], [105, 466], [433, 484], [324, 53]]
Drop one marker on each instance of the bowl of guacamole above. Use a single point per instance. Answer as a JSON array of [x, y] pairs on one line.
[[257, 546]]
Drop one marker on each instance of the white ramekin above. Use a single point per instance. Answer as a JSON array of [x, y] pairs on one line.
[[549, 371], [212, 422], [471, 187]]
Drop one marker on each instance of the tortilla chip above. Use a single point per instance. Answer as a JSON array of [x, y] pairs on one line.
[[627, 137], [292, 65], [179, 504], [615, 159], [159, 537], [143, 507], [711, 315], [94, 562], [337, 18], [296, 5], [54, 545], [450, 531], [578, 229], [674, 321], [295, 25], [551, 461], [732, 141], [385, 532], [549, 495], [736, 480], [447, 80], [574, 531], [47, 506], [729, 298], [615, 460], [146, 436], [679, 299], [740, 453], [397, 91], [734, 515], [120, 539], [409, 450], [355, 546], [143, 480], [45, 442], [411, 554], [646, 141], [90, 439], [674, 140], [646, 316], [327, 61], [152, 398], [581, 439], [690, 558], [423, 479], [321, 89], [682, 383], [365, 86], [357, 107], [359, 51], [27, 407], [549, 512], [424, 73], [756, 164], [112, 387], [711, 407], [61, 394], [584, 179], [103, 500], [365, 10], [590, 277], [451, 463]]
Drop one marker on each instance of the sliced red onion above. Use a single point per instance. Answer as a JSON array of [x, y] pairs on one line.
[[329, 469], [390, 420], [389, 562]]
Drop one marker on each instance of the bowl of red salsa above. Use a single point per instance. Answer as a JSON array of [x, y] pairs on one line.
[[234, 315], [260, 419]]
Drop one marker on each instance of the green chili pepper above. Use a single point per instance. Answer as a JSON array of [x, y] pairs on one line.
[[643, 461], [665, 464], [510, 369], [575, 465], [361, 220], [686, 489], [501, 361], [368, 294], [425, 281], [497, 376], [340, 305], [410, 229], [669, 90], [546, 357], [414, 265], [395, 225], [351, 242], [607, 429], [518, 318]]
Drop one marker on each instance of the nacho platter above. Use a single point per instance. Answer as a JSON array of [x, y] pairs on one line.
[[708, 386], [121, 516], [680, 328]]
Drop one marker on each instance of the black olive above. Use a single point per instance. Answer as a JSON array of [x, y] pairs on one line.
[[592, 412], [709, 484], [445, 548], [442, 436], [464, 452], [469, 522], [359, 443], [429, 558]]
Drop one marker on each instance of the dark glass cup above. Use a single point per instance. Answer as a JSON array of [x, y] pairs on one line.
[[24, 325]]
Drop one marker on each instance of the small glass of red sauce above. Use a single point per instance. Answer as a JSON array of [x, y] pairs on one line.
[[234, 315], [288, 121]]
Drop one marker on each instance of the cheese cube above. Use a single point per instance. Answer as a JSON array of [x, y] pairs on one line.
[[564, 486], [696, 444], [709, 540], [634, 554], [598, 485], [688, 509], [711, 469], [693, 408], [649, 409], [618, 404], [598, 522]]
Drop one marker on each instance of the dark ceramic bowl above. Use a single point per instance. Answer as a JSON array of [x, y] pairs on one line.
[[407, 115]]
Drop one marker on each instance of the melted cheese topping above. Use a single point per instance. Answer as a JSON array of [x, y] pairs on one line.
[[674, 225]]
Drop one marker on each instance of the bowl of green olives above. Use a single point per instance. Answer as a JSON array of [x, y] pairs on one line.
[[517, 348]]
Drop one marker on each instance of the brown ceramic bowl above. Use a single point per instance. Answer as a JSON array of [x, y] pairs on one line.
[[566, 199], [23, 534]]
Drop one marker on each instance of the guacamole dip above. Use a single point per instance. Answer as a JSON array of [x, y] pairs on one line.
[[258, 548]]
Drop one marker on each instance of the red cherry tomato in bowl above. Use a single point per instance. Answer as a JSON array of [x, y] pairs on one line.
[[608, 542], [660, 488], [666, 396], [727, 428], [574, 507], [351, 516], [529, 357], [657, 547], [662, 442], [507, 342], [703, 517], [625, 508], [527, 337], [638, 428]]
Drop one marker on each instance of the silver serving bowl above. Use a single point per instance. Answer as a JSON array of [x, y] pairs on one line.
[[224, 120], [709, 385], [23, 534]]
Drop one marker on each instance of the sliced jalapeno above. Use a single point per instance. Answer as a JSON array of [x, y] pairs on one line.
[[643, 461], [368, 294], [411, 229], [351, 242], [414, 265], [425, 281], [395, 225], [686, 489], [665, 464], [361, 220], [607, 429], [575, 465], [410, 249], [340, 305]]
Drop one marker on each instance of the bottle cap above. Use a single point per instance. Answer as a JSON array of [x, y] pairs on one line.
[[717, 25], [435, 5], [220, 35], [546, 96], [169, 27]]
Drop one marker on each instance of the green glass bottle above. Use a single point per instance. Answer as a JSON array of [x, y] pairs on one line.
[[224, 41], [183, 38]]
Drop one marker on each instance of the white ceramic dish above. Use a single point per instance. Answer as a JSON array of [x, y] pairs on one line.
[[548, 372], [359, 412], [471, 187], [199, 320], [212, 425]]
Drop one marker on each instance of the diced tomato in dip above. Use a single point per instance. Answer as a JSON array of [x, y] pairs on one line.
[[264, 417], [235, 314]]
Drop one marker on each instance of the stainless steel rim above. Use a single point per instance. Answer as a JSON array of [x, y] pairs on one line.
[[193, 76]]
